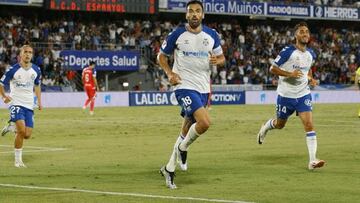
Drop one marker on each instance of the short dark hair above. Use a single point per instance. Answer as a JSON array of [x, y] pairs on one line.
[[92, 63], [300, 25], [195, 2]]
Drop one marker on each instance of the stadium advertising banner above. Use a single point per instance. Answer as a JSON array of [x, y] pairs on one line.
[[223, 97], [292, 10], [77, 99], [119, 6], [235, 7], [15, 2], [337, 13], [152, 98], [105, 60], [288, 10], [270, 97], [169, 98]]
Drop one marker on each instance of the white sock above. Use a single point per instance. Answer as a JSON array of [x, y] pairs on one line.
[[18, 155], [171, 165], [311, 145], [269, 125], [191, 136]]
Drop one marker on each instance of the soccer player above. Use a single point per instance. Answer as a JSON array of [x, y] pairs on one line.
[[292, 66], [195, 48], [90, 85], [357, 81], [24, 79]]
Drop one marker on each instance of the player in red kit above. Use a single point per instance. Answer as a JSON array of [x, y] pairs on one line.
[[90, 85]]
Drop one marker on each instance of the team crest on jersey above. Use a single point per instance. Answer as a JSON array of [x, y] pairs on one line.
[[164, 44], [33, 76], [307, 102], [186, 41], [205, 42]]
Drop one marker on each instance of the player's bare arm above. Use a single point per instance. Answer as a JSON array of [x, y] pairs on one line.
[[174, 78], [312, 81], [5, 98], [96, 84], [216, 60], [37, 89], [277, 71]]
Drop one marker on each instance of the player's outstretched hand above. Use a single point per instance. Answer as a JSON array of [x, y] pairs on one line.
[[174, 78], [296, 74]]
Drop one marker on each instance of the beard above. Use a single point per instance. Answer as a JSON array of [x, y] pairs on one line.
[[194, 23]]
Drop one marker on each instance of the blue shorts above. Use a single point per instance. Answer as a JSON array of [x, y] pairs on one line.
[[22, 113], [286, 106], [190, 101]]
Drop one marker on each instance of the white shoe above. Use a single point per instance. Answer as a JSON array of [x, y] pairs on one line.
[[169, 177], [182, 159], [9, 127], [91, 113], [19, 164], [261, 135], [316, 164]]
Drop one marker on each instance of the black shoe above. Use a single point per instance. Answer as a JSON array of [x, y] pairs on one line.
[[182, 159]]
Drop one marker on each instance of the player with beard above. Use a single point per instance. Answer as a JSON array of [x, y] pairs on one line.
[[195, 47], [293, 66]]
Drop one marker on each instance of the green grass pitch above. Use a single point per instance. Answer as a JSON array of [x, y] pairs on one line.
[[121, 150]]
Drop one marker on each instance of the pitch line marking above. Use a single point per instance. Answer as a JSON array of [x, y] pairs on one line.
[[120, 193], [34, 149]]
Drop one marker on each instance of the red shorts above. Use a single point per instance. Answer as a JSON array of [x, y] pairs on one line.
[[90, 91]]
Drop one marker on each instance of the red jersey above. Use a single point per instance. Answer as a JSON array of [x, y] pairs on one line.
[[87, 77]]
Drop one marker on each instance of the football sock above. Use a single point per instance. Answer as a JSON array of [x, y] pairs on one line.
[[18, 154], [171, 165], [311, 144], [92, 104], [191, 136], [87, 102], [269, 125]]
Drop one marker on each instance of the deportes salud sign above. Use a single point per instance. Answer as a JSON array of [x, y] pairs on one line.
[[105, 60]]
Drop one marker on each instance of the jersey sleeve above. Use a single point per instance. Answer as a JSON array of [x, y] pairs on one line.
[[283, 56], [217, 49], [313, 55], [38, 76], [9, 74], [169, 45]]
